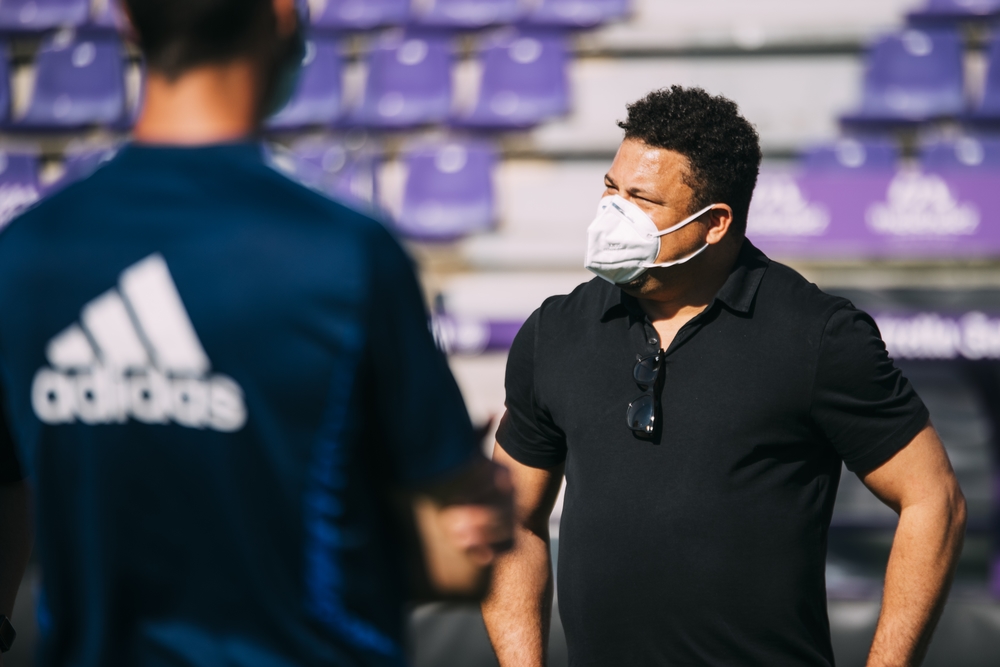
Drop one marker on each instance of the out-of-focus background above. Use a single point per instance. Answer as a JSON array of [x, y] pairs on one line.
[[480, 131]]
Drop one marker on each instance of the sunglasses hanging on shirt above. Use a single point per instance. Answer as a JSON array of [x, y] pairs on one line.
[[643, 412]]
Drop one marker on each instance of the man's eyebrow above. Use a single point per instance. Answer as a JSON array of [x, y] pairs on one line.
[[645, 194], [608, 179]]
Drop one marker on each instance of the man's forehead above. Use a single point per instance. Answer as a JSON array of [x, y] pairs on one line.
[[638, 160]]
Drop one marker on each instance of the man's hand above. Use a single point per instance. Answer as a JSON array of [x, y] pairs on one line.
[[464, 524], [920, 485]]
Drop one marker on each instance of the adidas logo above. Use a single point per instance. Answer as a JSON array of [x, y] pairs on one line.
[[135, 355]]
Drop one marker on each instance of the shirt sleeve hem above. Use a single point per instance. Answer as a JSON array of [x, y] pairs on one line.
[[530, 459], [891, 445]]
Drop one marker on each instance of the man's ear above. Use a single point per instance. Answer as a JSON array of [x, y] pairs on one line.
[[287, 16], [720, 220]]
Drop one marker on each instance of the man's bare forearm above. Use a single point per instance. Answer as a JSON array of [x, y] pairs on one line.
[[15, 541], [518, 608], [921, 567]]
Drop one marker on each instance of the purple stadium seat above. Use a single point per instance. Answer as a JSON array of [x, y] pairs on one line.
[[362, 14], [850, 154], [334, 169], [469, 13], [317, 101], [912, 77], [18, 184], [963, 154], [409, 81], [78, 165], [80, 82], [578, 13], [35, 15], [449, 191], [525, 80], [950, 11], [330, 167]]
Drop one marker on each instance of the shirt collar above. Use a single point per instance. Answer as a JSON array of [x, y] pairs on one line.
[[737, 292]]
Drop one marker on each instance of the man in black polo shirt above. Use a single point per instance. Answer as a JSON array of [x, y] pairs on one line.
[[700, 400]]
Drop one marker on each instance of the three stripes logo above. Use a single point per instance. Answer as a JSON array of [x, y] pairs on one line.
[[135, 355]]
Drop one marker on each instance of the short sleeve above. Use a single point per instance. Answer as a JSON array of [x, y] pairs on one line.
[[527, 431], [862, 403], [415, 404], [10, 468]]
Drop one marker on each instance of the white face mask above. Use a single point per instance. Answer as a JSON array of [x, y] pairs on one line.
[[623, 242]]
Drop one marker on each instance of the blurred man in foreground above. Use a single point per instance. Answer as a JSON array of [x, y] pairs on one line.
[[701, 400], [220, 384]]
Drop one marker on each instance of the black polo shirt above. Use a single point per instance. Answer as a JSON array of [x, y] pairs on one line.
[[707, 545]]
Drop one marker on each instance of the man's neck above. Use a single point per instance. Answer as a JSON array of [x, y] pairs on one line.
[[207, 105], [688, 290]]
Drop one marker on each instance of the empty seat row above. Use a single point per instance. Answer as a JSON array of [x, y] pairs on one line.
[[343, 15], [409, 83], [524, 82], [964, 154], [918, 76], [448, 191], [81, 81], [40, 15]]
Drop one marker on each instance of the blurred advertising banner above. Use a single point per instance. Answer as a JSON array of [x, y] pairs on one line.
[[905, 214]]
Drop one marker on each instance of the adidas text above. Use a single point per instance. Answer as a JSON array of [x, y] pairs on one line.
[[135, 355]]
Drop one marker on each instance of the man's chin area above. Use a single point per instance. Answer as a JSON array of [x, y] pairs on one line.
[[639, 286]]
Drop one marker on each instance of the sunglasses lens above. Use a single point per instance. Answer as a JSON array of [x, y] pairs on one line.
[[646, 370], [641, 415]]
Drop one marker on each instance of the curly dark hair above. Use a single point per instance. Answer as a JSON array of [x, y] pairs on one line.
[[722, 146]]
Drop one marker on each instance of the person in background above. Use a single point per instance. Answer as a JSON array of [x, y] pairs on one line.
[[700, 401], [222, 388]]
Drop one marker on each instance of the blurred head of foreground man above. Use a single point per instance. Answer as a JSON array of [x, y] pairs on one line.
[[700, 401], [242, 444]]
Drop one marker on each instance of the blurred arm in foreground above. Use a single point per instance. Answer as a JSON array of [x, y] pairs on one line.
[[464, 523], [15, 541], [15, 521], [920, 485], [518, 609]]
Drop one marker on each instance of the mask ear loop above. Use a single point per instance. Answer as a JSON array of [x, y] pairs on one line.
[[677, 262], [686, 221], [680, 225]]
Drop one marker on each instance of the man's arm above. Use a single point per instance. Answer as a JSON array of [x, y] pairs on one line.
[[920, 485], [518, 608], [462, 524]]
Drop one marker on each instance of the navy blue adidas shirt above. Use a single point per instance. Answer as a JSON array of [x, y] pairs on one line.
[[213, 378]]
